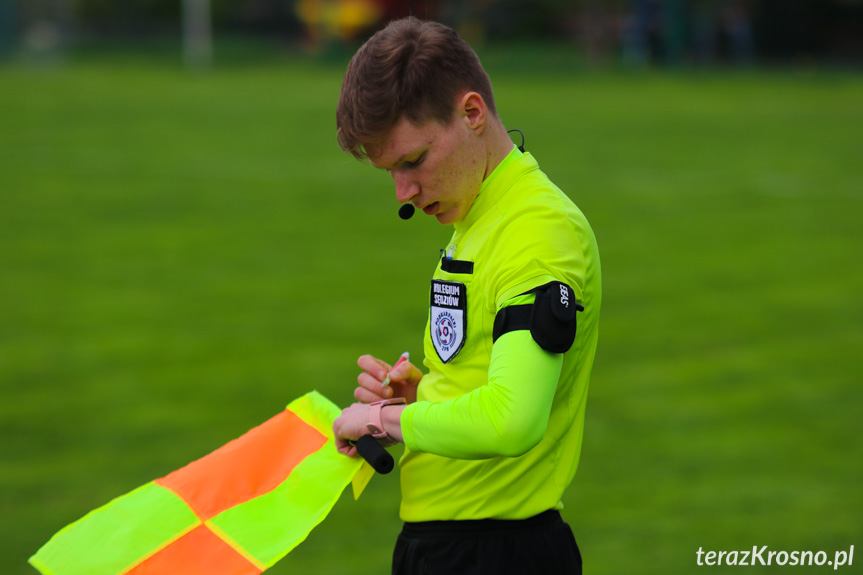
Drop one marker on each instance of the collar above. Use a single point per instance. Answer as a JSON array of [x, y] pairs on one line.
[[496, 185]]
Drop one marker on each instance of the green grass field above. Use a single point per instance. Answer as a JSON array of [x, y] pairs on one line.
[[181, 255]]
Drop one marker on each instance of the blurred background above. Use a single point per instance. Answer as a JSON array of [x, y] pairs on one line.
[[184, 250], [637, 32]]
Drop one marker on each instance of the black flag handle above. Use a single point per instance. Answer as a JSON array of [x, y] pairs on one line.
[[373, 452]]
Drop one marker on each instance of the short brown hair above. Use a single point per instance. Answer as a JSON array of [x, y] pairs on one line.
[[411, 68]]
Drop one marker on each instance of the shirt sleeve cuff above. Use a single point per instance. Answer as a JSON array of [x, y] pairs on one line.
[[407, 426]]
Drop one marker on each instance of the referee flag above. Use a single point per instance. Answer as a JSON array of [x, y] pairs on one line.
[[235, 511]]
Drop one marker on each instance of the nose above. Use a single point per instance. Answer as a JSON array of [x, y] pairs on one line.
[[406, 186]]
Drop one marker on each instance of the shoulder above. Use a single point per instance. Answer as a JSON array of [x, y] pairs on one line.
[[539, 215], [537, 241]]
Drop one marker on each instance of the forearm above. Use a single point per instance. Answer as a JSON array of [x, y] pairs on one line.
[[506, 417], [391, 419]]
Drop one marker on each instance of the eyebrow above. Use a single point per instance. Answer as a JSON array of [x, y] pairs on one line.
[[401, 159]]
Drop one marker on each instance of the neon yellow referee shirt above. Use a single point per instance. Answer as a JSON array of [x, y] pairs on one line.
[[496, 431]]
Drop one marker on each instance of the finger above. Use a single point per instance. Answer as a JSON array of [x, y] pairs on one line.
[[369, 382], [364, 395], [376, 367], [345, 448], [348, 449], [406, 372], [371, 390], [343, 444]]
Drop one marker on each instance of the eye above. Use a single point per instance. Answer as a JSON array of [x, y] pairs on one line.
[[415, 163]]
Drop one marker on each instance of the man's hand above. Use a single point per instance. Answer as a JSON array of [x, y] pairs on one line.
[[350, 426], [353, 424], [404, 380]]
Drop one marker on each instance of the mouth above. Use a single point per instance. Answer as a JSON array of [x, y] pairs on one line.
[[431, 208]]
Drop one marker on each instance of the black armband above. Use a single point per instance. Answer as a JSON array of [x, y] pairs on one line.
[[551, 318]]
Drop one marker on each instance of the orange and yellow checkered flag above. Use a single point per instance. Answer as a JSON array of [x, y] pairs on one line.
[[235, 511]]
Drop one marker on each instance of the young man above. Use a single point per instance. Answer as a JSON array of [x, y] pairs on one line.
[[493, 429]]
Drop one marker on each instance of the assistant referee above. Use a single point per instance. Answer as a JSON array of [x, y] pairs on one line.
[[493, 428]]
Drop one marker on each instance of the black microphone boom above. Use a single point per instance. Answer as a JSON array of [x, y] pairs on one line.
[[406, 212]]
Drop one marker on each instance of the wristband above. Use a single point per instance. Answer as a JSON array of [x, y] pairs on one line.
[[375, 425]]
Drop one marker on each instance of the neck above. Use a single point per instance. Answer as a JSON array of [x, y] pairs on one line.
[[499, 146]]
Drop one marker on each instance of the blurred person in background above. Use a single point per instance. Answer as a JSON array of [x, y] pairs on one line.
[[493, 428], [328, 21]]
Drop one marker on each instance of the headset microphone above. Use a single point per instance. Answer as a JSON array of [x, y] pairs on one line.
[[521, 147], [406, 212]]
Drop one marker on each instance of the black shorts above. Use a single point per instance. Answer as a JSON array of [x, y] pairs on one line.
[[543, 544]]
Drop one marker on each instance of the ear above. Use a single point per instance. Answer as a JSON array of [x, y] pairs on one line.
[[473, 111]]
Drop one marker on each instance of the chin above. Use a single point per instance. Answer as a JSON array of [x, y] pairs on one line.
[[447, 218]]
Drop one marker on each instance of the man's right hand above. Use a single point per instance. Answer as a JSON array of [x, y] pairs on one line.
[[404, 380]]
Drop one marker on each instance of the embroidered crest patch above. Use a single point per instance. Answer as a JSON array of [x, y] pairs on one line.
[[448, 318]]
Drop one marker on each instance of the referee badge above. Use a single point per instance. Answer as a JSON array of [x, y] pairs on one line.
[[448, 318]]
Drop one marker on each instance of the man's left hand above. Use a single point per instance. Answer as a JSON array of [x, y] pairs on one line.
[[350, 426]]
